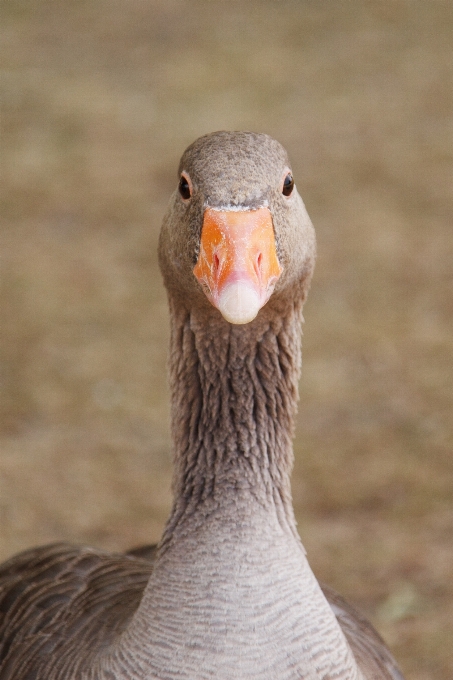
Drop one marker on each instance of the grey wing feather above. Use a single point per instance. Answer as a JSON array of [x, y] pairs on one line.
[[144, 552], [374, 659], [58, 601]]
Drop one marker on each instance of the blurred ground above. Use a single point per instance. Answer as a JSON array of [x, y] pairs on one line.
[[99, 100]]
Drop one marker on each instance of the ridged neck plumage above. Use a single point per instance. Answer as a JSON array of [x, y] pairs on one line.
[[234, 394]]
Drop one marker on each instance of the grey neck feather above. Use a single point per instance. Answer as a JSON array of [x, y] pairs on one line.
[[234, 395], [232, 594]]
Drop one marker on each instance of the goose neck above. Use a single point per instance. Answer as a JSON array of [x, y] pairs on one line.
[[234, 396]]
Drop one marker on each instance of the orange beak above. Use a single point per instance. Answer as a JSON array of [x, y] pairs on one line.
[[238, 266]]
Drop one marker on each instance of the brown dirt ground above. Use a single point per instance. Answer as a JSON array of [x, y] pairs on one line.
[[99, 100]]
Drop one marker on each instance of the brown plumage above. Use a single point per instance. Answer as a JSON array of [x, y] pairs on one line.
[[228, 592]]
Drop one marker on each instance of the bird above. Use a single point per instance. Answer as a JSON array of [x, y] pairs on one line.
[[228, 592]]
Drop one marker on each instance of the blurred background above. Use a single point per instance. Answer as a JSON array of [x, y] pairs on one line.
[[100, 98]]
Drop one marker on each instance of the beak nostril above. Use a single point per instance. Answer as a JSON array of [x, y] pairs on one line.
[[216, 262], [259, 260]]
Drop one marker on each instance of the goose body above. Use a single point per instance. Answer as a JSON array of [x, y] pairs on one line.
[[228, 593]]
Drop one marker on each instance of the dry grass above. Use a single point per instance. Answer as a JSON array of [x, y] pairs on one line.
[[100, 98]]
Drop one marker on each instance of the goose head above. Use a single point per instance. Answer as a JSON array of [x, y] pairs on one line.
[[236, 237]]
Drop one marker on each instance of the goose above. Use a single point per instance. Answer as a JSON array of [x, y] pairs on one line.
[[228, 593]]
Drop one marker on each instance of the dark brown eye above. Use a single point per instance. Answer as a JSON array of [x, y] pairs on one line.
[[288, 185], [184, 188]]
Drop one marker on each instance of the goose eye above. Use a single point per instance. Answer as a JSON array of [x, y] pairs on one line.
[[288, 185], [184, 188]]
